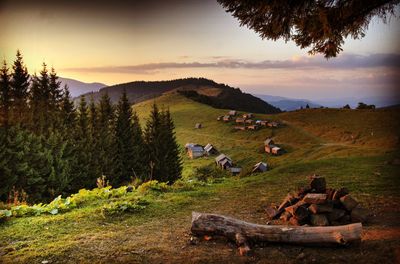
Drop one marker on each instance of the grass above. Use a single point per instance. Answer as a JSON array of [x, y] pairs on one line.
[[317, 142]]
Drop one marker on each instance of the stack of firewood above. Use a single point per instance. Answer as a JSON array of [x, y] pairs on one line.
[[318, 206]]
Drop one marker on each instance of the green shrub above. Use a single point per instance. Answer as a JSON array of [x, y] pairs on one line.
[[153, 186], [120, 207]]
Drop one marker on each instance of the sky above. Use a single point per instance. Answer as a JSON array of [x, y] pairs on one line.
[[121, 41]]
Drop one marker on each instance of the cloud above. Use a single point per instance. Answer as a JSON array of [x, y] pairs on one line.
[[345, 61]]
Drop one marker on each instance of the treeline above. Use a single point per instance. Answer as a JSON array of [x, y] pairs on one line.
[[230, 98], [50, 147]]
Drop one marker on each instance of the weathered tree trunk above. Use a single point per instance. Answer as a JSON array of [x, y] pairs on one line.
[[244, 233]]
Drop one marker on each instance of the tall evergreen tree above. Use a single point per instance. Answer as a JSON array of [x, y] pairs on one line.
[[68, 113], [45, 99], [106, 137], [36, 122], [20, 85], [5, 95], [55, 98], [94, 142], [172, 160], [140, 159], [153, 139], [124, 158]]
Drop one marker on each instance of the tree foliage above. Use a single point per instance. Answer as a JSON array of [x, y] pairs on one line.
[[319, 25]]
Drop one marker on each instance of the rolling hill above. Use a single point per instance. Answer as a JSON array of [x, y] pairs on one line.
[[353, 148], [198, 89]]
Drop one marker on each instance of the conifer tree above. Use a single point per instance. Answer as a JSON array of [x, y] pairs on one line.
[[82, 129], [19, 85], [5, 95], [55, 98], [106, 138], [140, 159], [68, 113], [124, 158], [7, 177], [153, 137], [36, 121], [172, 160]]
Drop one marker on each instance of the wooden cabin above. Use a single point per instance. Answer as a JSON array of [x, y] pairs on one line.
[[240, 120], [220, 118], [248, 115], [277, 151], [198, 126], [269, 141], [232, 113], [196, 152], [235, 170], [260, 167], [223, 161], [226, 118], [210, 150], [252, 127], [249, 121], [268, 148], [273, 124], [240, 128]]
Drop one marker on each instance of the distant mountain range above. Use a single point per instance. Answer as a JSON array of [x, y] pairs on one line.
[[198, 89], [77, 88], [287, 104]]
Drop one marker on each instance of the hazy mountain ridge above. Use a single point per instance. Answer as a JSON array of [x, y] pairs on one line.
[[200, 89], [77, 88], [287, 104]]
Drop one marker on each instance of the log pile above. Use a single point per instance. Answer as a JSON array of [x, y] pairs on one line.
[[317, 205]]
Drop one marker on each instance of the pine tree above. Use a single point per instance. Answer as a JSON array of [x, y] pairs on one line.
[[19, 85], [173, 161], [93, 147], [124, 158], [36, 122], [68, 113], [82, 128], [5, 95], [140, 159], [7, 178], [106, 137], [55, 98], [153, 139], [45, 108]]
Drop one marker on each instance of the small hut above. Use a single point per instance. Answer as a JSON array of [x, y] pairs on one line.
[[253, 127], [248, 115], [210, 150], [232, 113], [273, 124], [223, 161], [195, 152], [219, 118], [235, 170], [249, 121], [240, 128], [198, 126], [269, 141], [260, 167], [227, 118], [277, 150], [240, 120]]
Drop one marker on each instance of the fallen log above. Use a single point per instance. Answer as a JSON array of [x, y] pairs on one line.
[[245, 233]]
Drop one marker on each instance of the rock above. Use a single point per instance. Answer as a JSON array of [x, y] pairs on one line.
[[45, 261], [319, 220], [317, 184], [321, 208], [359, 214], [348, 202], [315, 198], [193, 240], [129, 189]]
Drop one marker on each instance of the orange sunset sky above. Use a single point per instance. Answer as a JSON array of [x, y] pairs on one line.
[[121, 41]]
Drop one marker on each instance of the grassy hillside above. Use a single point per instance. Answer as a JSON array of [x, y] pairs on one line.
[[199, 89], [317, 141]]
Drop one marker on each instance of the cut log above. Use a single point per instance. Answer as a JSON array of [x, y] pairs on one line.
[[285, 216], [299, 210], [296, 222], [329, 193], [317, 184], [244, 233], [289, 200], [359, 214], [315, 198], [339, 193], [319, 220], [348, 202], [321, 208], [336, 214], [303, 191], [272, 212]]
